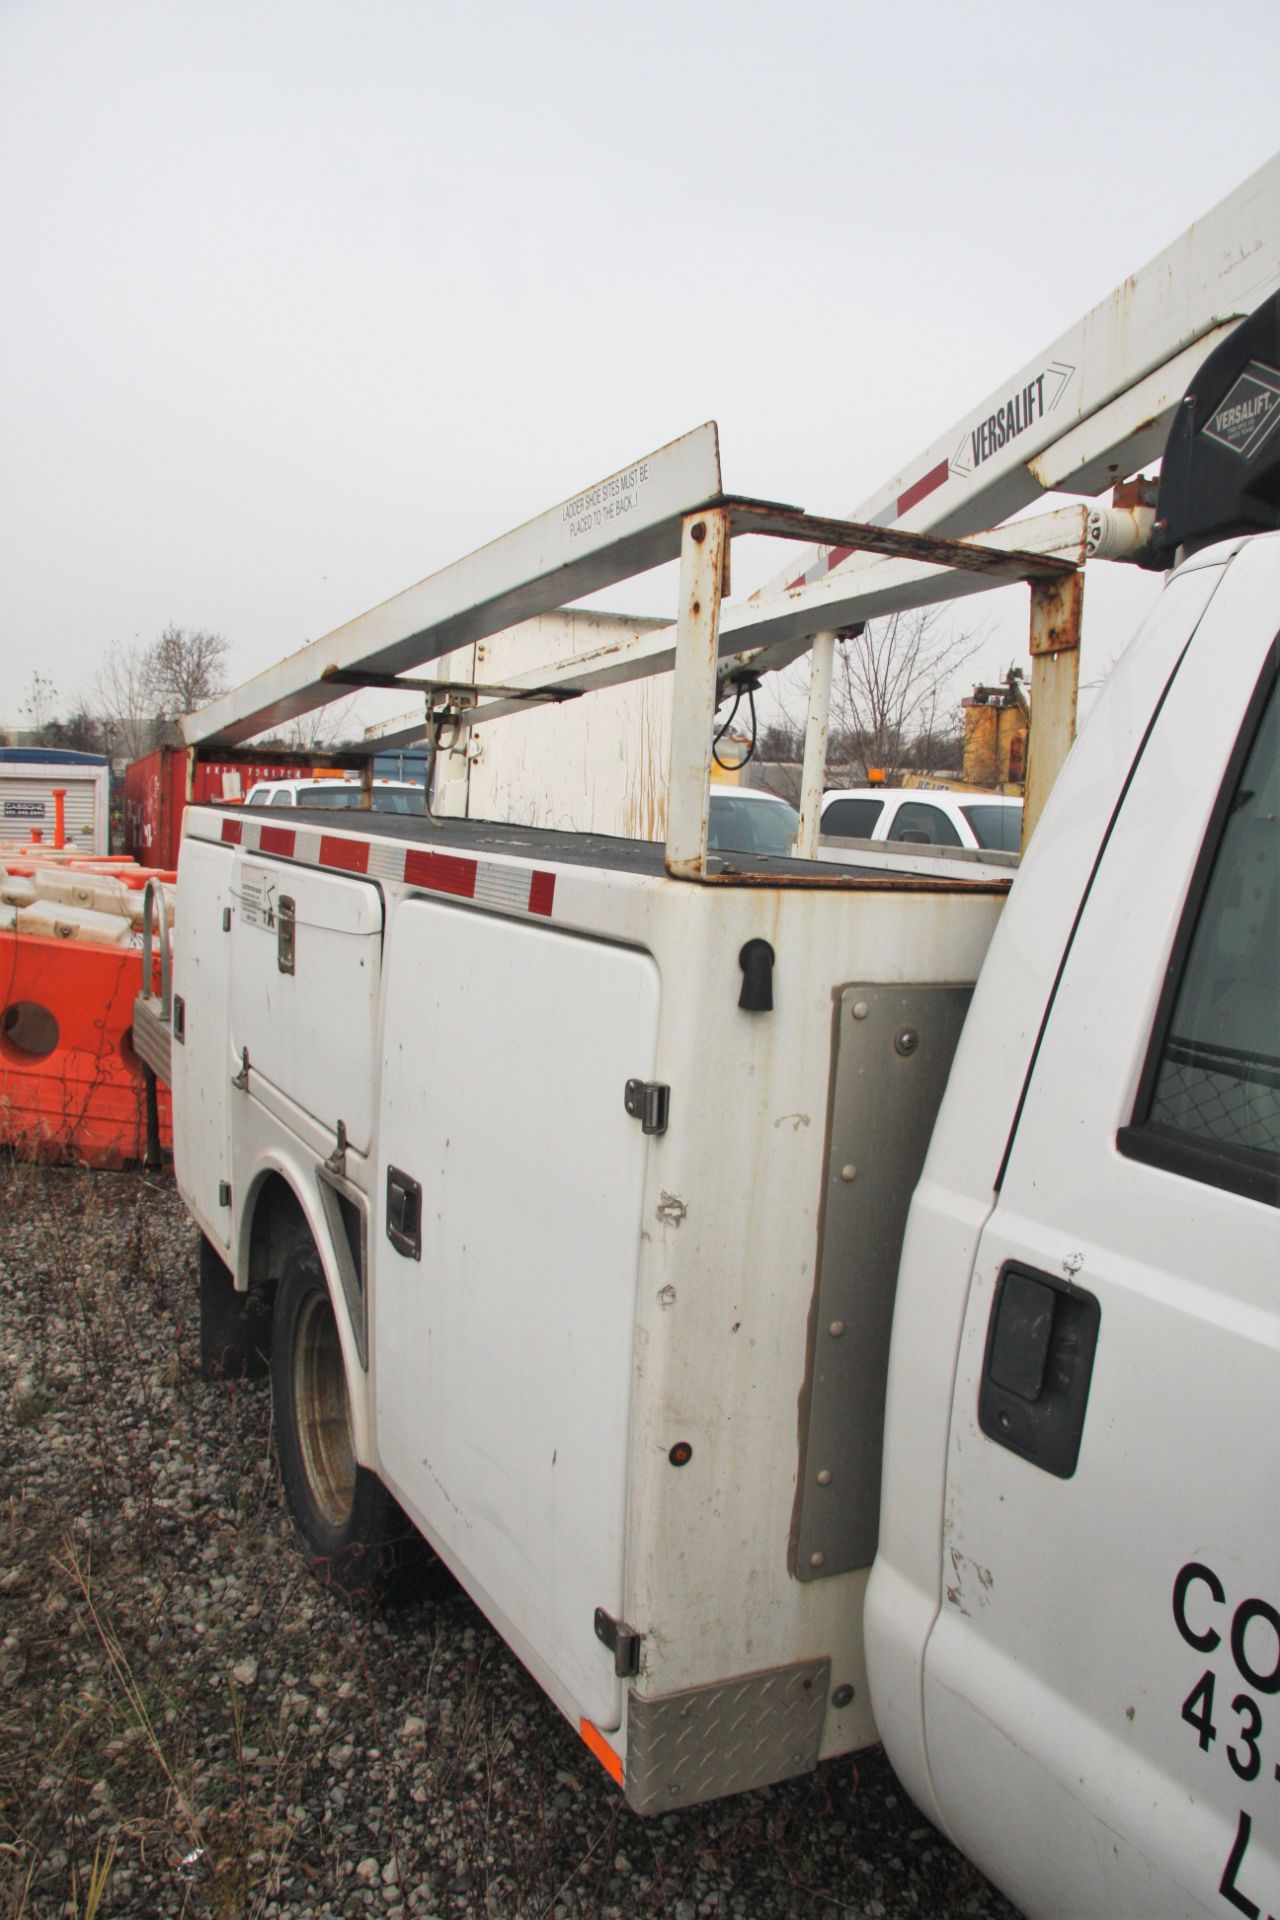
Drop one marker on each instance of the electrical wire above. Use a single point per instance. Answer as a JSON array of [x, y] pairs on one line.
[[748, 686]]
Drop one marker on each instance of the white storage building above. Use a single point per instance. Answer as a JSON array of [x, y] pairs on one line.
[[28, 777]]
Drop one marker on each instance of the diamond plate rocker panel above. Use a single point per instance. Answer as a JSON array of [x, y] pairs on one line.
[[726, 1738]]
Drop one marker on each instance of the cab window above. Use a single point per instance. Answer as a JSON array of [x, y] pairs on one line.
[[1209, 1103], [852, 819], [750, 826], [997, 828], [922, 825]]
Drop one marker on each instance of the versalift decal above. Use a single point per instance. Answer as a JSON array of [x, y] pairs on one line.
[[1012, 417], [1250, 413]]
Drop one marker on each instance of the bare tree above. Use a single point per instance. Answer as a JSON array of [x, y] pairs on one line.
[[122, 698], [314, 732], [38, 707], [892, 691], [80, 732], [188, 667]]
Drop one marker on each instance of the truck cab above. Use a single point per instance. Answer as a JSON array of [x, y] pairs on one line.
[[1083, 1372]]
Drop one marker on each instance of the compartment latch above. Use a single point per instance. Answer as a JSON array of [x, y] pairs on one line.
[[622, 1641]]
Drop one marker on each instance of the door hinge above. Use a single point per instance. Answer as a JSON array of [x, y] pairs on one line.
[[337, 1161], [240, 1081], [649, 1102], [622, 1641]]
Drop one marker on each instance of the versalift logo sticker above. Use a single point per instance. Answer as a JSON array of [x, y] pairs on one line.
[[1250, 412]]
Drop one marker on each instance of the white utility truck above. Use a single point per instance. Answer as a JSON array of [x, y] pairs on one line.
[[564, 1177]]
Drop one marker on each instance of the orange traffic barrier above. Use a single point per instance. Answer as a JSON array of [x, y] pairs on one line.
[[71, 1085]]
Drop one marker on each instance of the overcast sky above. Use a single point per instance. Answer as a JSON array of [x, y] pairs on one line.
[[303, 301]]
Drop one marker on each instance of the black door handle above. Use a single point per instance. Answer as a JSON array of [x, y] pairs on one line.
[[404, 1214], [1038, 1365]]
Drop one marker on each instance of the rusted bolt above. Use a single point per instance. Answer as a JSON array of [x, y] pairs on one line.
[[907, 1041], [698, 531], [697, 608], [842, 1696]]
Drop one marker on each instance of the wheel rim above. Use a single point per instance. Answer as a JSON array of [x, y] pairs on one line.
[[323, 1412]]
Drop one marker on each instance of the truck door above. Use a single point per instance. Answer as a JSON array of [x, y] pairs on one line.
[[202, 1057], [510, 1182], [305, 967], [1102, 1685]]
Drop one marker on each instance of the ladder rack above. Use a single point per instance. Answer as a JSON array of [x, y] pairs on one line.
[[669, 505]]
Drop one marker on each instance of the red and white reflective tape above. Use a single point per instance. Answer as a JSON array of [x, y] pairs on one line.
[[489, 883], [827, 559]]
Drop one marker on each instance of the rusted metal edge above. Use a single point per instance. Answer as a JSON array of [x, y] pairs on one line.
[[788, 523], [1056, 615], [397, 683], [836, 883], [346, 759]]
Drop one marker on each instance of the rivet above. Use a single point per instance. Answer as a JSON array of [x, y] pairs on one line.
[[849, 1173], [842, 1696], [824, 1478], [836, 1329], [859, 1009], [817, 1559], [907, 1040]]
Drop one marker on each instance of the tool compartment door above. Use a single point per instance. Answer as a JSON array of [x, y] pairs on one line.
[[306, 950], [1102, 1684], [503, 1351]]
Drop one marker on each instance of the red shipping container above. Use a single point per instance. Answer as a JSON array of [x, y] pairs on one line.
[[155, 793]]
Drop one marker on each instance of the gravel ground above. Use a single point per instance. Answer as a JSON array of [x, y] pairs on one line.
[[187, 1716]]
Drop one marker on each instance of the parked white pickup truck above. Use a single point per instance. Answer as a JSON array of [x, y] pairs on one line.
[[565, 1179]]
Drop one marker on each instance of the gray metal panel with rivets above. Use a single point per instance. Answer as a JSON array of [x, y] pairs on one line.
[[698, 1745], [884, 1100]]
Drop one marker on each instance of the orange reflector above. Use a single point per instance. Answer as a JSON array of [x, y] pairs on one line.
[[603, 1752]]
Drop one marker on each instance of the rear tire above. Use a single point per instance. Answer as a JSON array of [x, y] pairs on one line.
[[354, 1534]]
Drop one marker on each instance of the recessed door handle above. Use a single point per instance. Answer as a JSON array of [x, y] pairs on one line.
[[1039, 1363], [404, 1213]]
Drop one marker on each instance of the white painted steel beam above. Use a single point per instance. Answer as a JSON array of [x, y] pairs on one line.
[[693, 701], [817, 722], [1055, 423], [624, 524]]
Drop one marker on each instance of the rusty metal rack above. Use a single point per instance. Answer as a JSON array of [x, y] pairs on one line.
[[671, 505]]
